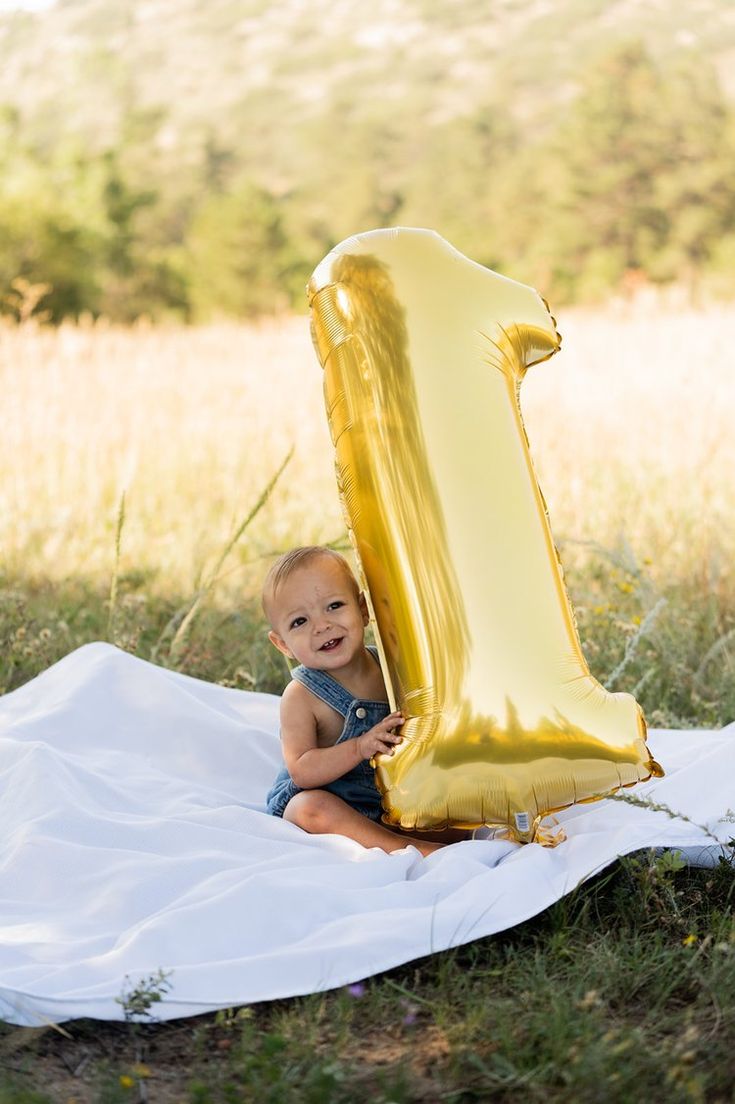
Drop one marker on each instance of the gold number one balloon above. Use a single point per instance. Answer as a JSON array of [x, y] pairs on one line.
[[423, 353]]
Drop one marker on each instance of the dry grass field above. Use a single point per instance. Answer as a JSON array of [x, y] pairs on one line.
[[630, 428], [191, 424]]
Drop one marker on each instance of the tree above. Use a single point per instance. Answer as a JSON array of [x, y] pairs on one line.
[[238, 260], [639, 169]]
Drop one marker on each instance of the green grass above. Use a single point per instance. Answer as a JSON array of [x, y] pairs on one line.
[[673, 647], [42, 622]]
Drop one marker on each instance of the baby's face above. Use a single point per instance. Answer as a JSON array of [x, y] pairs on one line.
[[318, 616]]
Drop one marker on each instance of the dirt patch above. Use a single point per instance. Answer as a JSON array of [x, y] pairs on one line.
[[81, 1061], [73, 1064]]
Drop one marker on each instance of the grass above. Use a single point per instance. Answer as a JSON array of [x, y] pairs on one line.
[[132, 459], [138, 504], [629, 428]]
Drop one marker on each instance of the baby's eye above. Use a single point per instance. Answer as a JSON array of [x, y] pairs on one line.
[[297, 621], [335, 605]]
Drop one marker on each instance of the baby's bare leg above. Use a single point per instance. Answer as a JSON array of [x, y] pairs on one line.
[[321, 812]]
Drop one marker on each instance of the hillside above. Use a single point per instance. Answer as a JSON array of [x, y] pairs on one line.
[[172, 156], [253, 72]]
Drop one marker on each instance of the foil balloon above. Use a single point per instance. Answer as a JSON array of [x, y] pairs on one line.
[[423, 353]]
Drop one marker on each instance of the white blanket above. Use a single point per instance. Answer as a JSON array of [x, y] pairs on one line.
[[134, 839]]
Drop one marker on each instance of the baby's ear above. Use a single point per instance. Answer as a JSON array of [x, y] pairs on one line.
[[279, 643], [362, 601]]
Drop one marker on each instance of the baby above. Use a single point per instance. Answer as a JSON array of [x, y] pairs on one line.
[[335, 713]]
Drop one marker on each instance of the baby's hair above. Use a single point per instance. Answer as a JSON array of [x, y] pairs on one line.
[[286, 564]]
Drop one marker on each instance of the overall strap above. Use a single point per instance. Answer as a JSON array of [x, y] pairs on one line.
[[323, 686]]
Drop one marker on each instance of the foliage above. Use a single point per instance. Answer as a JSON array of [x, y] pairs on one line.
[[642, 184], [239, 260], [137, 1000], [129, 197]]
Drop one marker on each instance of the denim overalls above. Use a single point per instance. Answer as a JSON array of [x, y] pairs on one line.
[[357, 787]]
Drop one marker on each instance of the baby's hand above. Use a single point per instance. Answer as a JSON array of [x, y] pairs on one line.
[[380, 738]]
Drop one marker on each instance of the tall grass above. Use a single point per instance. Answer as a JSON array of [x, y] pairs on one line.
[[629, 426], [191, 424]]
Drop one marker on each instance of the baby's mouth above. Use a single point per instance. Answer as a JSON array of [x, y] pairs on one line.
[[331, 644]]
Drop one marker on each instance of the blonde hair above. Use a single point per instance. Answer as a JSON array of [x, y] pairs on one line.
[[286, 564]]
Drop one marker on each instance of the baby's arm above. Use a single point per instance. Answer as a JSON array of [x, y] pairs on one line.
[[311, 766]]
